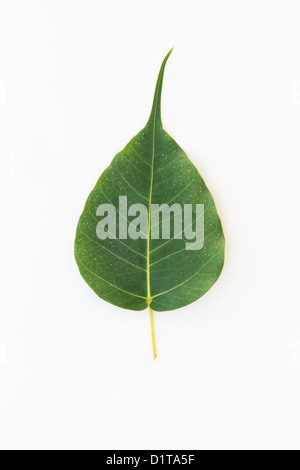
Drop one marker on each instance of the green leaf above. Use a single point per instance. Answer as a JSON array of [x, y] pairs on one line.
[[157, 273]]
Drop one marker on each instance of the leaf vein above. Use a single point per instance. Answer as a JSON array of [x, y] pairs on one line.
[[112, 285], [117, 239], [128, 184], [187, 280], [104, 248]]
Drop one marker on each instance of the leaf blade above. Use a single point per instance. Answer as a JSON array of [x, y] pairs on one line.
[[134, 274]]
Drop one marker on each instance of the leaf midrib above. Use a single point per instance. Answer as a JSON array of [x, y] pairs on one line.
[[149, 299]]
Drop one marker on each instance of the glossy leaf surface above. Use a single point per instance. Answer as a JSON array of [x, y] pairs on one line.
[[160, 273]]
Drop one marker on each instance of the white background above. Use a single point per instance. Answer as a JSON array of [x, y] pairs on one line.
[[76, 83]]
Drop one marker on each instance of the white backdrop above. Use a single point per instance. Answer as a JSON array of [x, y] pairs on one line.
[[76, 83]]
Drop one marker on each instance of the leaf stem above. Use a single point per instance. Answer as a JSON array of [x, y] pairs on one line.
[[152, 333]]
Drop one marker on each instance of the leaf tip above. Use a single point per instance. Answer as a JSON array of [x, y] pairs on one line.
[[155, 116]]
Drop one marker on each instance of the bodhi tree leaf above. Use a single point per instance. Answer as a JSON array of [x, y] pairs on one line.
[[125, 249]]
